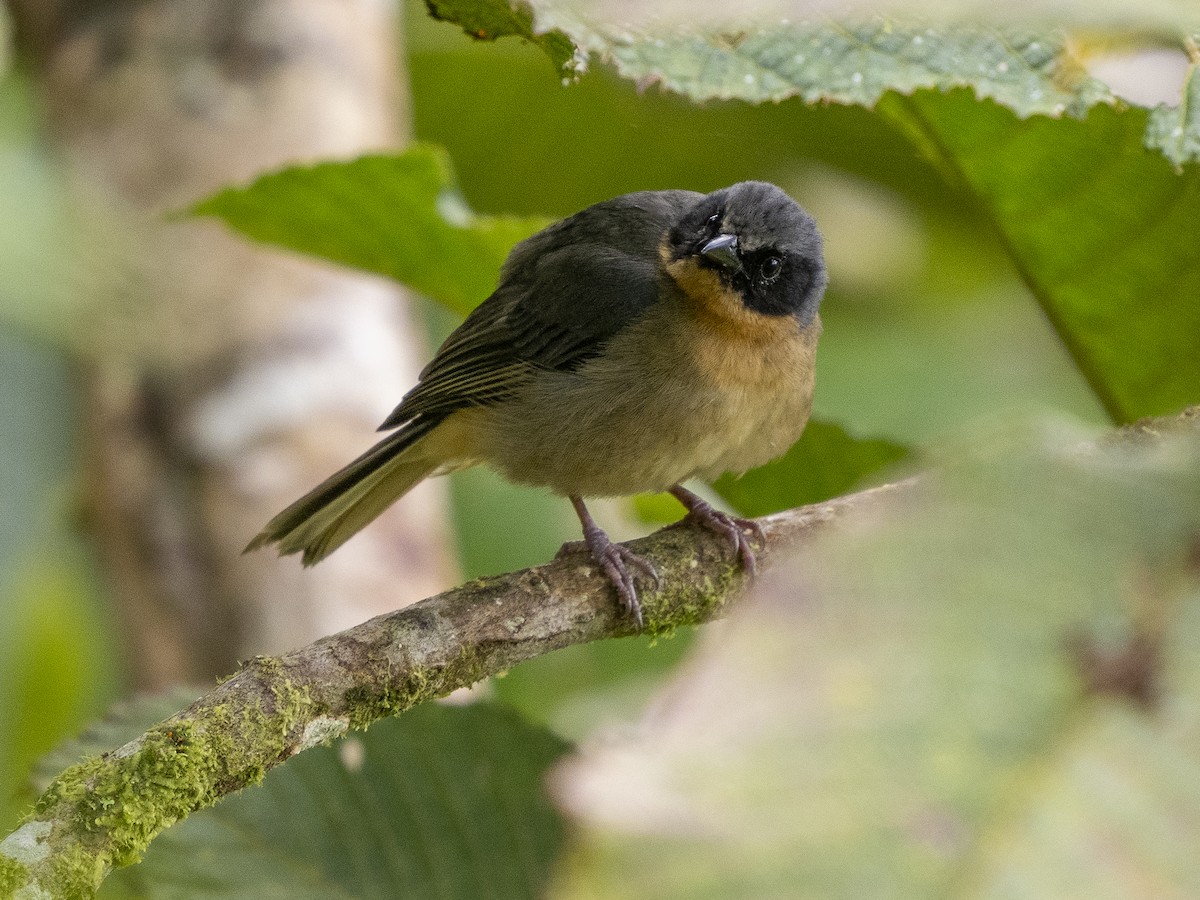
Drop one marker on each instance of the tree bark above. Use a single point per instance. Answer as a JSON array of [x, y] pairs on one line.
[[229, 379]]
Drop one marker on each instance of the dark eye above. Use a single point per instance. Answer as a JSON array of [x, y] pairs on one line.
[[770, 267], [713, 221]]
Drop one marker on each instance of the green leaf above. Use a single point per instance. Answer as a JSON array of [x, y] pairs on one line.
[[443, 801], [857, 64], [398, 216], [985, 687], [848, 61], [1102, 230], [826, 462], [489, 21]]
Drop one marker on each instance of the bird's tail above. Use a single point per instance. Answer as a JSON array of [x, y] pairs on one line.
[[341, 505]]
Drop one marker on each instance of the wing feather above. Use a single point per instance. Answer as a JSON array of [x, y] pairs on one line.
[[563, 294]]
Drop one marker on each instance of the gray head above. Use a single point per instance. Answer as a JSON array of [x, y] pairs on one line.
[[761, 243]]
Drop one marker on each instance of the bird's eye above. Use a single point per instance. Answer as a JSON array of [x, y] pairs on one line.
[[770, 268], [713, 221]]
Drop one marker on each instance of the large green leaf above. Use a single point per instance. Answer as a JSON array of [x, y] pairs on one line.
[[627, 20], [854, 61], [1102, 229], [858, 63], [399, 216], [442, 802], [986, 687]]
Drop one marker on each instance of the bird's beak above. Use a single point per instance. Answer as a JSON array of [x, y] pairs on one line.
[[723, 251]]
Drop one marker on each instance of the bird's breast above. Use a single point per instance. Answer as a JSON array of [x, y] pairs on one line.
[[671, 397]]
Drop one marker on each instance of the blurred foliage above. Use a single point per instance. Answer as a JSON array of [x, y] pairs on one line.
[[5, 40], [985, 686], [36, 442], [57, 660], [56, 670], [394, 215], [62, 254]]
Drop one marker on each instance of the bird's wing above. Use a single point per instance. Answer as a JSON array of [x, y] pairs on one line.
[[563, 294]]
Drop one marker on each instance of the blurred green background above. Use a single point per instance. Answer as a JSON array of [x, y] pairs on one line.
[[928, 331]]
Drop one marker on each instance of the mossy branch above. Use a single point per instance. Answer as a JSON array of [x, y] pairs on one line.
[[104, 812]]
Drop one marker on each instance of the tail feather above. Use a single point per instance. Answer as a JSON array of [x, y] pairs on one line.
[[340, 506]]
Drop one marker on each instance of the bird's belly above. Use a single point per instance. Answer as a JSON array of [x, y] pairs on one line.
[[578, 436]]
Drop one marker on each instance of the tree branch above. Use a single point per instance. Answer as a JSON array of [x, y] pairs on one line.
[[105, 811]]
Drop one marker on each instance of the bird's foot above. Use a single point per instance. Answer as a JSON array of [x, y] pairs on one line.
[[618, 562], [735, 530]]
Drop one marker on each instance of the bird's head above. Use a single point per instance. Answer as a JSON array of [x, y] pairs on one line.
[[749, 251]]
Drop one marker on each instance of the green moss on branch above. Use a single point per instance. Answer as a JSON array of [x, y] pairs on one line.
[[12, 875], [104, 812]]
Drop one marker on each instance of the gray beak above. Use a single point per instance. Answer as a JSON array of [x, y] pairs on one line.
[[723, 251]]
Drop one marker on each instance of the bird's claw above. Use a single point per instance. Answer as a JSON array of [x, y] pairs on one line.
[[617, 561], [733, 528]]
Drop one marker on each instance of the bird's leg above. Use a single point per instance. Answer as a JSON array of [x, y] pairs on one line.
[[732, 528], [615, 560]]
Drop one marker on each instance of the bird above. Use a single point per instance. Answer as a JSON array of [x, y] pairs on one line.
[[647, 340]]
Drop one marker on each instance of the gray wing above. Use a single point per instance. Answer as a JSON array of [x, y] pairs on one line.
[[563, 294]]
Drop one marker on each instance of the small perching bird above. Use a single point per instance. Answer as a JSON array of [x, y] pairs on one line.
[[649, 339]]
